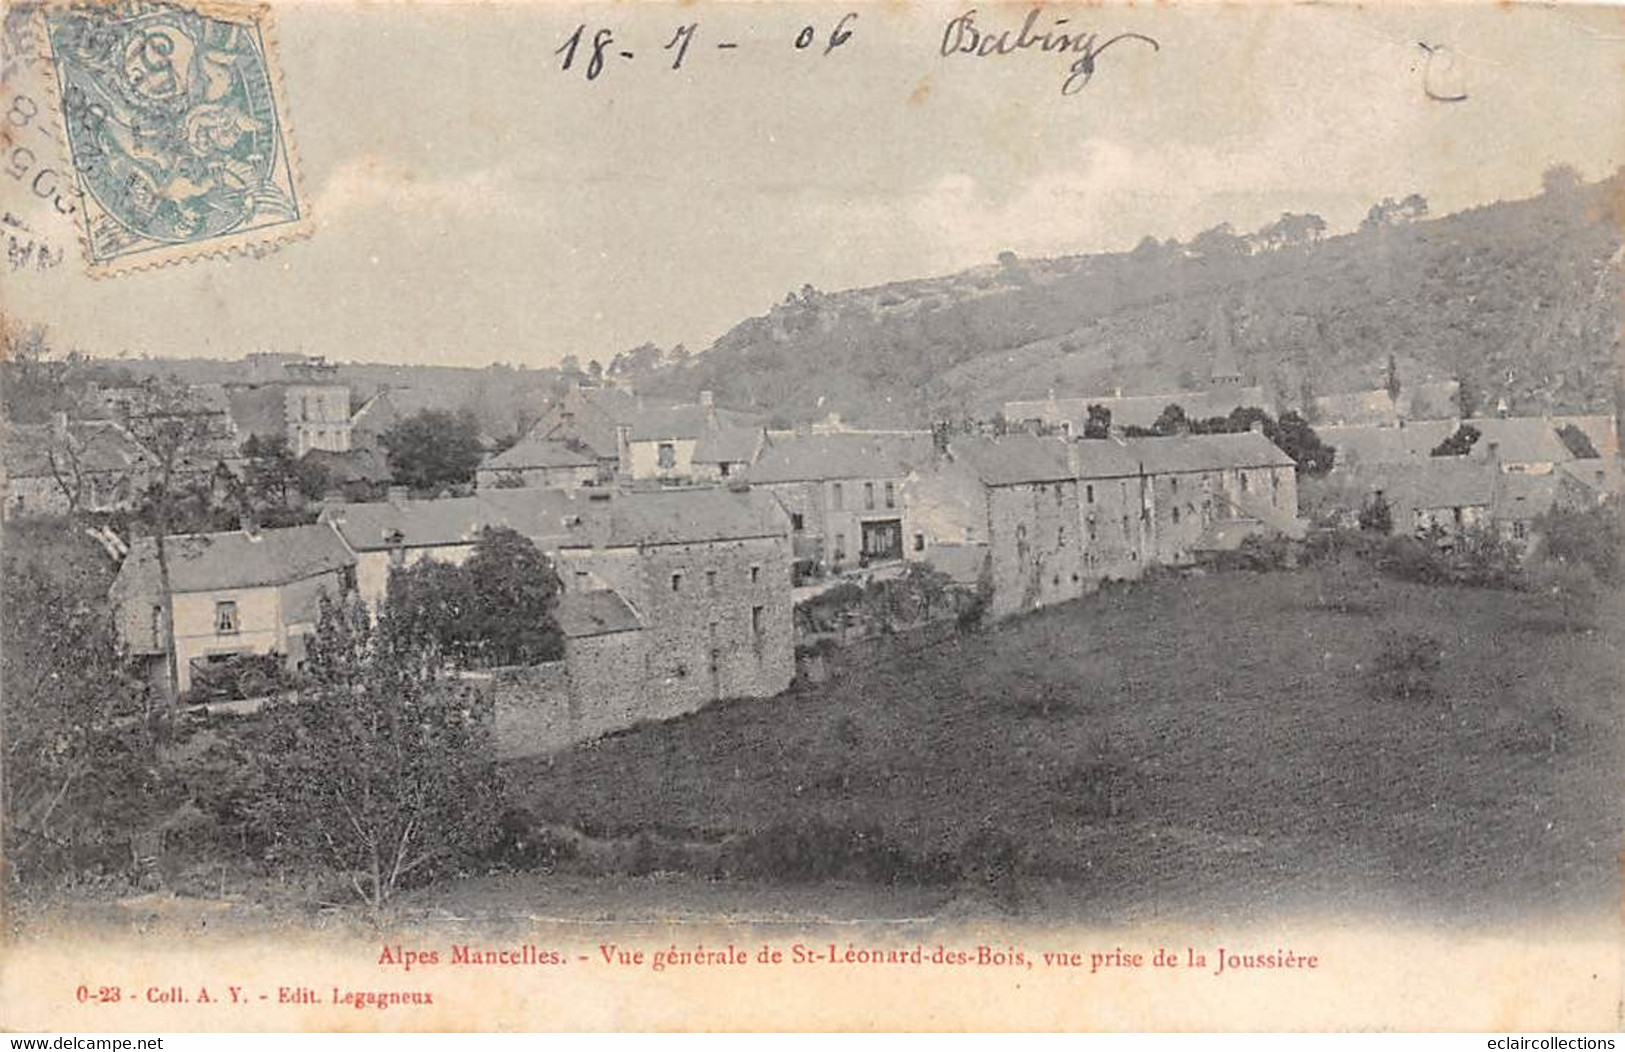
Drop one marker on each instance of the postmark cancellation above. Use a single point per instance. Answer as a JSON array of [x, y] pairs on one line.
[[176, 130]]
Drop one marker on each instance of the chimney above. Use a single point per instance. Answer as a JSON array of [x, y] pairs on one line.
[[1257, 427], [623, 448], [399, 495], [1117, 392], [1074, 460], [708, 403]]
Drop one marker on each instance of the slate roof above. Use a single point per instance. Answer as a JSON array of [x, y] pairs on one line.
[[595, 613], [564, 519], [390, 405], [1359, 445], [665, 423], [729, 445], [1600, 428], [684, 516], [1013, 460], [813, 458], [1521, 440], [1186, 453], [98, 446], [419, 523], [220, 561], [531, 452], [1439, 482]]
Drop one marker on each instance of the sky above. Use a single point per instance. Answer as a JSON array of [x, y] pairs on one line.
[[473, 202]]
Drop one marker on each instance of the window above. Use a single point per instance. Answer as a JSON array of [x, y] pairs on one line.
[[1174, 482], [1244, 483], [1125, 525], [1092, 529], [1057, 493], [225, 617], [667, 455], [919, 542], [1176, 515], [725, 467], [836, 498], [755, 574], [869, 496], [710, 579], [756, 620], [158, 623], [797, 523], [347, 580], [1060, 536], [1089, 494], [677, 582], [1520, 530], [891, 495], [840, 546]]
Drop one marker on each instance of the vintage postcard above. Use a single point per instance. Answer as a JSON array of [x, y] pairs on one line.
[[812, 516]]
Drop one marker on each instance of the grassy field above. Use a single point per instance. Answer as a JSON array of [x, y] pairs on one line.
[[1204, 742]]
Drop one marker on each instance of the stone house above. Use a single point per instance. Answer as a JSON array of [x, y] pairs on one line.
[[662, 443], [1449, 495], [1521, 500], [1059, 516], [1195, 481], [538, 463], [845, 495], [88, 465], [647, 439], [708, 573], [703, 574], [235, 593], [309, 416]]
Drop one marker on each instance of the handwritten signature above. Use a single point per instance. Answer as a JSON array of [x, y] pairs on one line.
[[962, 36]]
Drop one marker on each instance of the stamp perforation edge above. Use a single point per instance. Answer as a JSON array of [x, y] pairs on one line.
[[251, 244]]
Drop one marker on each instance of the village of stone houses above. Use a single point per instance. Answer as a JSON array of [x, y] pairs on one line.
[[1264, 571]]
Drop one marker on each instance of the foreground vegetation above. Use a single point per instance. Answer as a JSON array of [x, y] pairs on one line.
[[1240, 739]]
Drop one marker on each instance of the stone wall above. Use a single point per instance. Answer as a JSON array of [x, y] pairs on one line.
[[1034, 540]]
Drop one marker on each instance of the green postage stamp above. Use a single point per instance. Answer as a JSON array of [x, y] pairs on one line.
[[176, 131]]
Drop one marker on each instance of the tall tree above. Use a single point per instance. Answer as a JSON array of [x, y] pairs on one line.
[[183, 438], [516, 594], [273, 475], [76, 749], [382, 771], [434, 448]]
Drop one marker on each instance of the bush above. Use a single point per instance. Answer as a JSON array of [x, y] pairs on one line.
[[1412, 559], [1262, 554], [523, 843], [1407, 666]]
